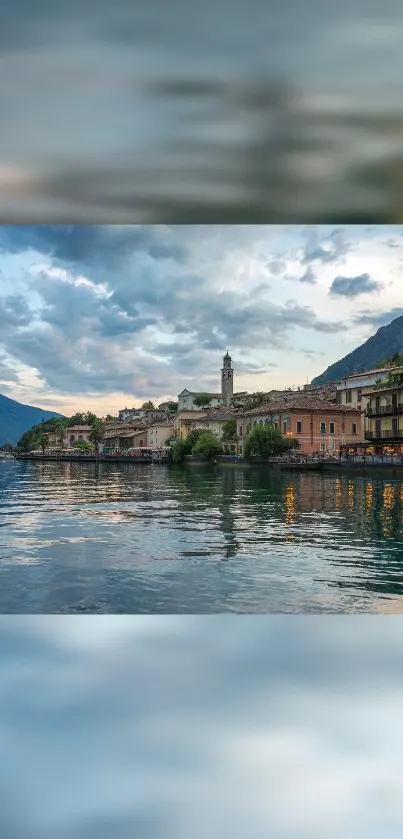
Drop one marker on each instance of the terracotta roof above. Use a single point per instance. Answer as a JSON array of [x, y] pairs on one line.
[[300, 405]]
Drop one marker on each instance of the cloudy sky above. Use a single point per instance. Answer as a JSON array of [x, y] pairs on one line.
[[193, 726], [103, 317]]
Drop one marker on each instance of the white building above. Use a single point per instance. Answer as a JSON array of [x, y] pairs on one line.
[[226, 398], [352, 389], [146, 415]]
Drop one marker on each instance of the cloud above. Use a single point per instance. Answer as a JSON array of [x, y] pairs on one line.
[[137, 309], [324, 247], [201, 726], [377, 319], [353, 286], [308, 276], [14, 312]]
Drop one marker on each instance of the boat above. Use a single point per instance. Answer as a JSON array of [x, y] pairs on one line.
[[6, 455]]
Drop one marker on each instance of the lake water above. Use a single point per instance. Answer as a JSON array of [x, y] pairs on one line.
[[107, 538]]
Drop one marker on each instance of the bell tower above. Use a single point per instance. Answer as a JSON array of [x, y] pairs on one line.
[[227, 380]]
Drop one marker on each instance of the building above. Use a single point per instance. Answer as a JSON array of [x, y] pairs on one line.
[[227, 380], [166, 406], [183, 422], [186, 400], [124, 441], [214, 421], [159, 434], [147, 415], [54, 439], [384, 417], [76, 433], [319, 426], [352, 390], [224, 399]]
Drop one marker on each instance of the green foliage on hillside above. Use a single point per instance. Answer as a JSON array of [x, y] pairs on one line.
[[387, 343], [31, 439]]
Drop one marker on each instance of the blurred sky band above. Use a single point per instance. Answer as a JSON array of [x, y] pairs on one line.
[[286, 727], [213, 112]]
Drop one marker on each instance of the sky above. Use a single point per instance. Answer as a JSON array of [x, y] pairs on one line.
[[104, 317], [201, 726], [112, 112]]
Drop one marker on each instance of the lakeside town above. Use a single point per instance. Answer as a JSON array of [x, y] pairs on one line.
[[358, 419]]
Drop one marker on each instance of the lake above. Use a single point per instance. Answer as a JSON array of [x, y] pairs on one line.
[[105, 538]]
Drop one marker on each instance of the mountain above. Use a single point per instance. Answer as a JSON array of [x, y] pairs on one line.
[[386, 342], [16, 418]]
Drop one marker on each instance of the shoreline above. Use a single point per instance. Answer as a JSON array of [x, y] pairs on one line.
[[146, 460]]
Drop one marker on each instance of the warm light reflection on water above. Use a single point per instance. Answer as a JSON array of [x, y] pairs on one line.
[[104, 538]]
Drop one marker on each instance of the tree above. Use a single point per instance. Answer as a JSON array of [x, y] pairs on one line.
[[97, 433], [192, 438], [82, 445], [266, 441], [43, 443], [229, 431], [148, 406], [202, 400], [208, 446], [60, 428], [90, 418], [172, 407], [78, 419], [178, 451]]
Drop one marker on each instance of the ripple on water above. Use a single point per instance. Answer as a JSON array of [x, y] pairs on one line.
[[83, 538]]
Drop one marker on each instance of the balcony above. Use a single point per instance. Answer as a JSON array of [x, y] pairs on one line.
[[384, 435], [385, 410]]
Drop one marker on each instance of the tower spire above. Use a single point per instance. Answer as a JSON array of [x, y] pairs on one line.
[[227, 380]]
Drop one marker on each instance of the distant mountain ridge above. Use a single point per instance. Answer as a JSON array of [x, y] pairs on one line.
[[16, 418], [386, 342]]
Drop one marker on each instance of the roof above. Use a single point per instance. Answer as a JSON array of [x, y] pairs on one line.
[[367, 373], [217, 416], [161, 425], [301, 405], [187, 392], [79, 428], [384, 389]]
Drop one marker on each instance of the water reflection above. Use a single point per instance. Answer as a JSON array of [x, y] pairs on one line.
[[119, 538]]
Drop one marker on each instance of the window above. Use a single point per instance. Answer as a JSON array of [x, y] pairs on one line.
[[359, 394], [285, 426], [323, 428], [276, 425], [331, 428], [354, 428], [349, 396], [240, 430], [323, 447], [299, 427], [240, 449]]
